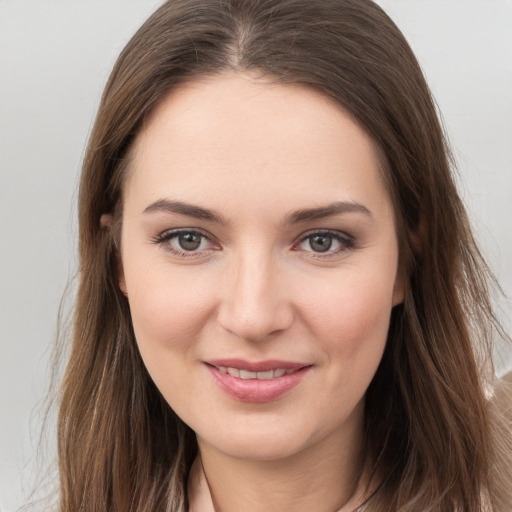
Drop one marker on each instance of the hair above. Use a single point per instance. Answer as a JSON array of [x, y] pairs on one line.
[[429, 426]]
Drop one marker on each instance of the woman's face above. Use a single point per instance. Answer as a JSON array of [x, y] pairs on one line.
[[259, 258]]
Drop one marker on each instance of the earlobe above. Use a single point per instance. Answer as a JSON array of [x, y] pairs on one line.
[[106, 222], [415, 245], [416, 236], [120, 275], [398, 297], [399, 289], [415, 242]]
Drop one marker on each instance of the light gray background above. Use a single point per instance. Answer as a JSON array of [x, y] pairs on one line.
[[55, 57]]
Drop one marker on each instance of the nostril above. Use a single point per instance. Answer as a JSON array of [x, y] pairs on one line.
[[256, 324]]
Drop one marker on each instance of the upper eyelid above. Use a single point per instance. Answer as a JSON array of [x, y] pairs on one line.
[[303, 235], [333, 232], [177, 231], [167, 234], [170, 233]]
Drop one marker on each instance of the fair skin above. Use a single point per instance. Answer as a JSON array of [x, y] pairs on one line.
[[284, 255]]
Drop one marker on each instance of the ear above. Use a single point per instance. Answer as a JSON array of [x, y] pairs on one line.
[[415, 238], [106, 220], [106, 223], [417, 235], [415, 241], [120, 275], [399, 289]]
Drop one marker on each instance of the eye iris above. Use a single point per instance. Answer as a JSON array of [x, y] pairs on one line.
[[320, 243], [189, 241]]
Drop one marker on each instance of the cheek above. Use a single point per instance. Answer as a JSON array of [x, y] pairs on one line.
[[168, 308], [353, 305], [169, 311], [351, 323]]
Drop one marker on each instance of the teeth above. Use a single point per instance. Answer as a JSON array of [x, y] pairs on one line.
[[247, 375], [244, 374], [265, 375]]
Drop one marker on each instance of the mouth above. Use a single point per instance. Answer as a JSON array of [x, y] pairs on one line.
[[256, 382], [248, 375]]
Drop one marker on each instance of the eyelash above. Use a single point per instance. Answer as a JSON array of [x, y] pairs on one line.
[[164, 239], [346, 242]]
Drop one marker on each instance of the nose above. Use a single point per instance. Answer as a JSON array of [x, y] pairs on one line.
[[255, 305]]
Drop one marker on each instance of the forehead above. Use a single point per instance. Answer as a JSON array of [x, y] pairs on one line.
[[233, 136]]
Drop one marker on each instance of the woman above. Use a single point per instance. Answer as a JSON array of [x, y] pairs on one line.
[[281, 305]]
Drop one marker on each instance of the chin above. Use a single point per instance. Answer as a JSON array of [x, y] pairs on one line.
[[261, 449], [259, 444]]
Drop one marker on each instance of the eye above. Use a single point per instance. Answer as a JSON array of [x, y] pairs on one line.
[[188, 241], [185, 242], [320, 243], [325, 242]]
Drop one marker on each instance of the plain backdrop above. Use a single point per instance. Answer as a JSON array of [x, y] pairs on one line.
[[55, 56]]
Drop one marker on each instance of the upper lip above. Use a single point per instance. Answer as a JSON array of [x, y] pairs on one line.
[[256, 366]]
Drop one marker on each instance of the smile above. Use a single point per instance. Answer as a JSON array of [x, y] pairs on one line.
[[256, 382], [248, 375]]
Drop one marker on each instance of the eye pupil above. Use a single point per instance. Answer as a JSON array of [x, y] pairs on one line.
[[320, 243], [189, 241]]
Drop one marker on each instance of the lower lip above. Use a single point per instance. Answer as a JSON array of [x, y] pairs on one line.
[[257, 390]]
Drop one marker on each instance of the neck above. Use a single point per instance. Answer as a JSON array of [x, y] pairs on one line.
[[325, 477]]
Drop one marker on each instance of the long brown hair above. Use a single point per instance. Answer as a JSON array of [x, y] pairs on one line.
[[429, 427]]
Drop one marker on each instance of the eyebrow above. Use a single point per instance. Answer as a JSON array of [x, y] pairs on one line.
[[190, 210], [197, 212], [326, 211]]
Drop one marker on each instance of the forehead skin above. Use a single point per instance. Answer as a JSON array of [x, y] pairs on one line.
[[226, 127]]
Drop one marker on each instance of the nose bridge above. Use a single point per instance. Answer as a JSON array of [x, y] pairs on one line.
[[255, 304]]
